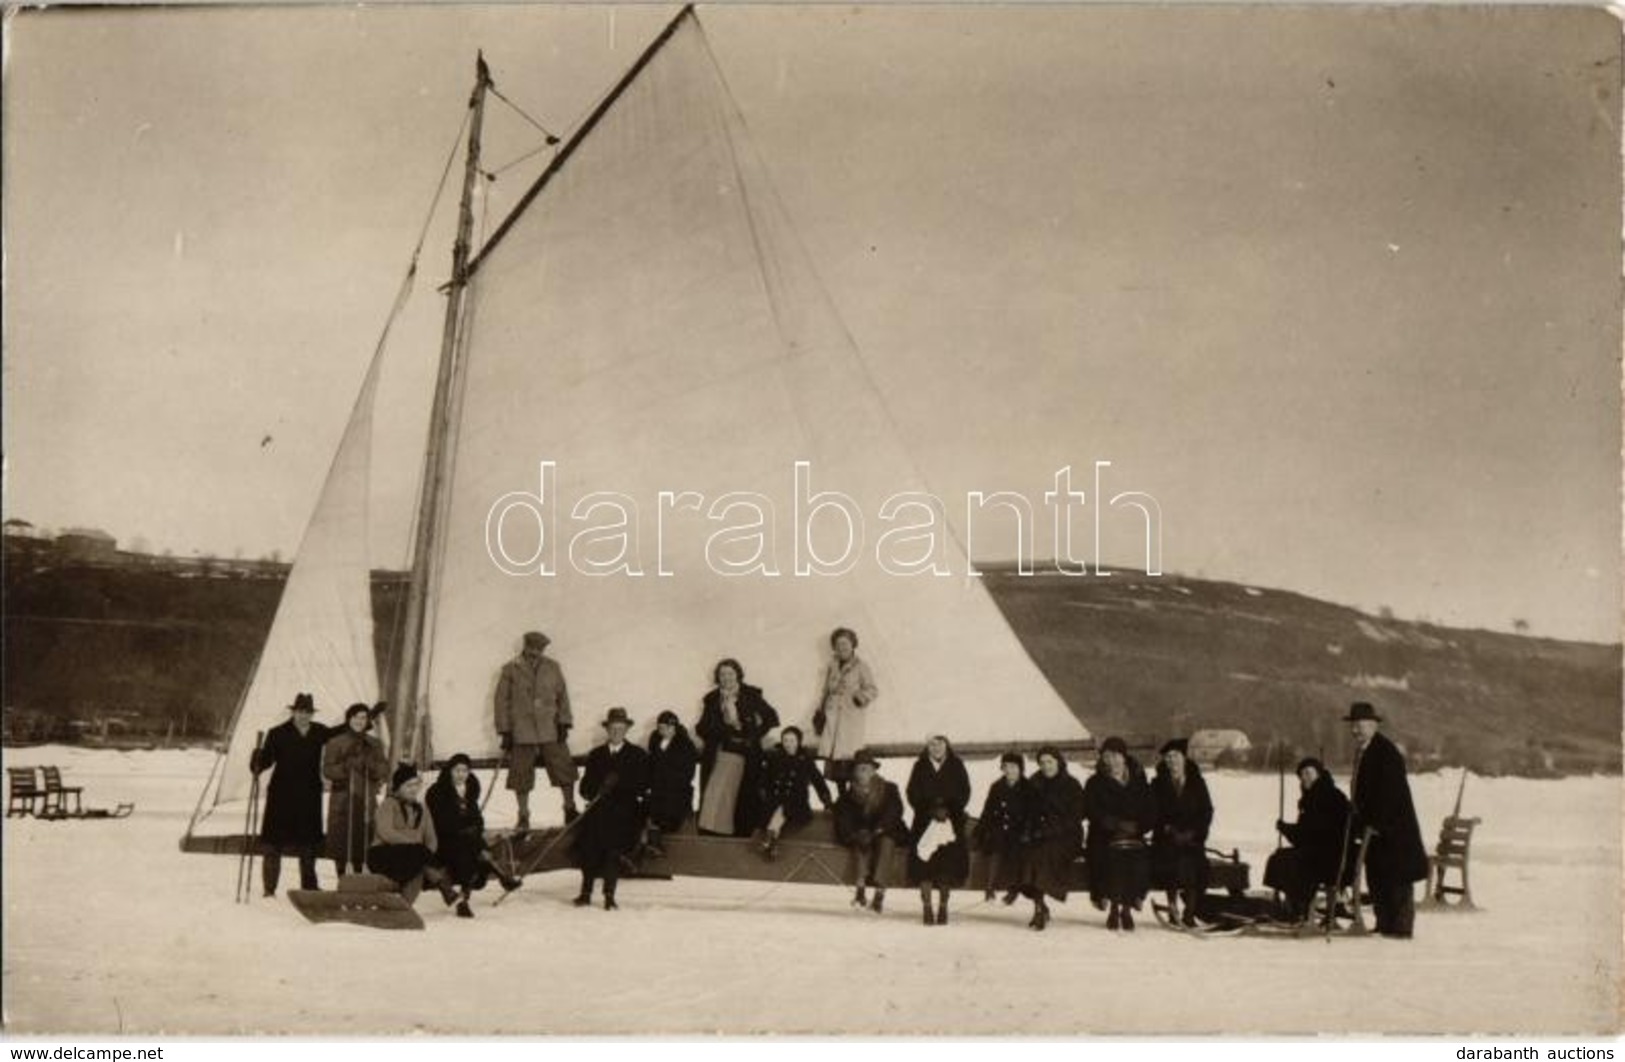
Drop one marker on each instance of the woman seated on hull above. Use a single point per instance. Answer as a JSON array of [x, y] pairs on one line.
[[1179, 842], [1121, 811], [790, 772], [454, 809], [733, 722], [938, 857], [405, 844], [1055, 803], [672, 757], [869, 821], [1002, 829], [1316, 841]]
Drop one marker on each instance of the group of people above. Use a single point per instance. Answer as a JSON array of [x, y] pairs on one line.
[[409, 836], [1135, 831]]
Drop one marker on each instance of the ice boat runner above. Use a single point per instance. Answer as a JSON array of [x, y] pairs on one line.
[[645, 324]]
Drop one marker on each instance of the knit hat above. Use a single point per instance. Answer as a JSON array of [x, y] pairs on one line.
[[668, 716], [1114, 744], [403, 774], [1015, 758], [355, 710]]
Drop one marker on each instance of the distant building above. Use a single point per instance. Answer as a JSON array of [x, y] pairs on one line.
[[87, 544], [1206, 746]]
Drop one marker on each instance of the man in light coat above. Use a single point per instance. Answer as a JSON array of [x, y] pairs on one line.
[[533, 720]]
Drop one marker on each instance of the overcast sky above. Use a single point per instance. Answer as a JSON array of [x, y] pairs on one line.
[[1338, 287]]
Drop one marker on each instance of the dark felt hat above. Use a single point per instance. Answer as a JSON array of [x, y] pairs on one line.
[[1361, 710], [616, 715], [866, 757], [302, 702], [1179, 745]]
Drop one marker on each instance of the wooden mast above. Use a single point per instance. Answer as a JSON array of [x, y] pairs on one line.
[[407, 717]]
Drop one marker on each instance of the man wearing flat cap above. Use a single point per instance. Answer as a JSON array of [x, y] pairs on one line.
[[533, 720], [1381, 795]]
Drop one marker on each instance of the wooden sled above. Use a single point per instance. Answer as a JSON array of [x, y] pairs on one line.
[[361, 899], [123, 811]]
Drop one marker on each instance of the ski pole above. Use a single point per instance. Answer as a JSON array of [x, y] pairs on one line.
[[248, 823], [534, 861]]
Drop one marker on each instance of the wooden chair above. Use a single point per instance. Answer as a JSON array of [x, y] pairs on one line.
[[1452, 853], [57, 794], [23, 791]]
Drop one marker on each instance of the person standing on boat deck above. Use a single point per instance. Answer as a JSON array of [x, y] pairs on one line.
[[734, 719], [869, 820], [848, 690], [459, 826], [405, 848], [789, 773], [938, 857], [292, 752], [1001, 831], [1381, 794], [1121, 811], [1179, 840], [533, 720], [672, 758], [355, 765], [616, 780], [1316, 840], [1055, 807]]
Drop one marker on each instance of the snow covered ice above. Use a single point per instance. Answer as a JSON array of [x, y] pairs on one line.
[[110, 928]]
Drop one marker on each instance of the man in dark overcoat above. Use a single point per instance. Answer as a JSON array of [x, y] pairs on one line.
[[292, 752], [616, 780], [1381, 795]]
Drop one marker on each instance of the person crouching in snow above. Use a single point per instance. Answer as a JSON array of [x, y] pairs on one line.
[[616, 780], [1001, 832], [672, 759], [454, 809], [869, 821], [404, 849], [790, 772]]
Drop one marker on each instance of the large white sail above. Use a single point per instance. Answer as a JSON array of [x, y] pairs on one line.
[[321, 639], [650, 324]]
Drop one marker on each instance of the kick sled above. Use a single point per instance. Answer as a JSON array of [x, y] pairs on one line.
[[361, 899]]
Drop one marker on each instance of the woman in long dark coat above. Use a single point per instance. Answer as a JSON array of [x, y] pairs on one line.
[[356, 766], [1054, 833], [1001, 832], [1179, 841], [733, 721], [1316, 840], [938, 855], [672, 758], [1121, 811], [459, 825], [616, 780], [790, 772], [292, 752]]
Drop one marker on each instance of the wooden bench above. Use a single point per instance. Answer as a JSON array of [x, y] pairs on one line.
[[1452, 853], [23, 791]]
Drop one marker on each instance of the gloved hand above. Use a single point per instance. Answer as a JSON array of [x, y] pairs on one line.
[[1280, 825], [820, 720], [377, 710], [255, 766], [507, 741], [564, 731]]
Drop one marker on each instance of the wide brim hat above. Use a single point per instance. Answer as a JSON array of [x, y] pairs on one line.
[[303, 702], [1360, 711], [616, 715]]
